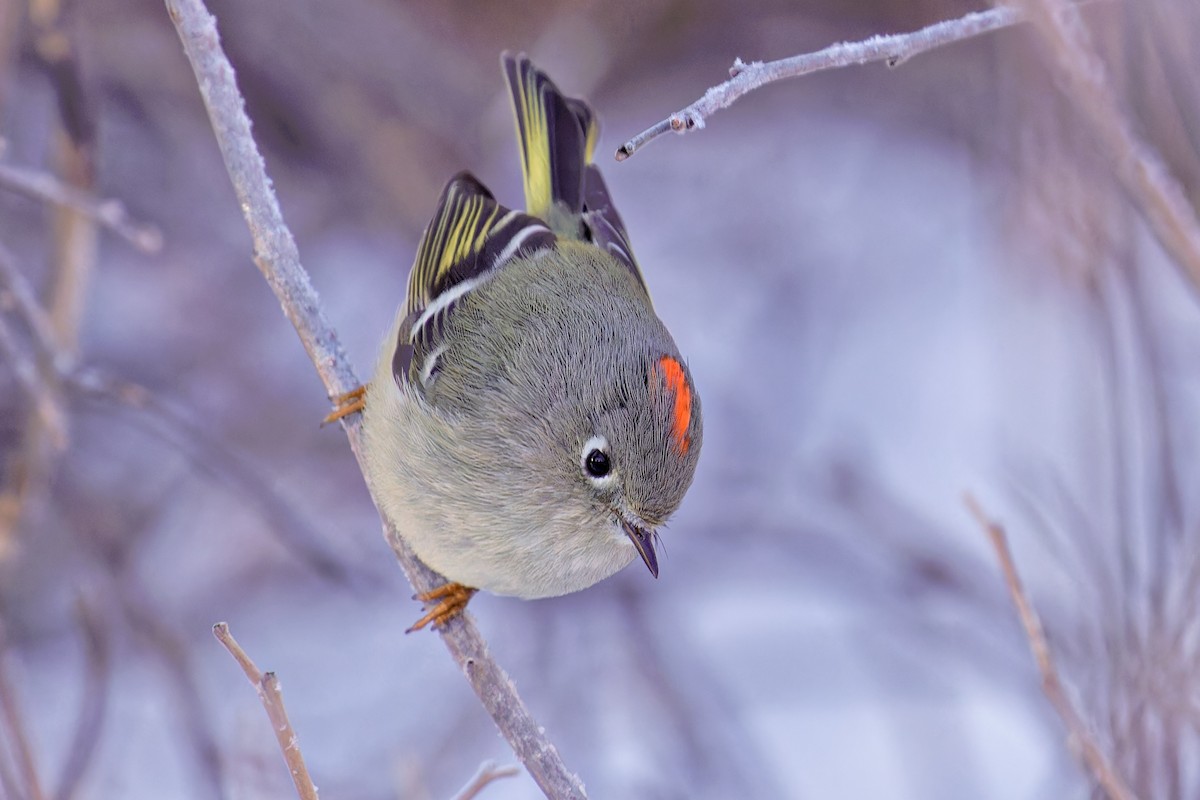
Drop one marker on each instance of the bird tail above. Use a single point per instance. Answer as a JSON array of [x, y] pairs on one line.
[[556, 136]]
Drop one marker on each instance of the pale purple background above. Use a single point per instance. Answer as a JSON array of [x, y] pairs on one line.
[[853, 265]]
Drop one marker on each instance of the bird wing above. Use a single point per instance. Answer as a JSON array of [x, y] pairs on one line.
[[470, 237], [603, 226]]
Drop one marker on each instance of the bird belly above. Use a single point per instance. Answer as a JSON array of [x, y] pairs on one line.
[[467, 527]]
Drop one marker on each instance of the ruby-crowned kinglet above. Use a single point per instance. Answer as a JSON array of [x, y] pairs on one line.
[[530, 422]]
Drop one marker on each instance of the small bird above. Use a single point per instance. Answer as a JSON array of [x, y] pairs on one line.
[[530, 423]]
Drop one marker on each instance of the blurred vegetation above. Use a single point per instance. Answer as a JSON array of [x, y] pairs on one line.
[[193, 484]]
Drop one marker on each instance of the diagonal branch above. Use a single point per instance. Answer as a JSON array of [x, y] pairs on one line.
[[109, 213], [1080, 737], [893, 50], [277, 258]]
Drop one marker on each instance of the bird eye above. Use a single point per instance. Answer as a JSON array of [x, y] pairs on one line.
[[597, 463]]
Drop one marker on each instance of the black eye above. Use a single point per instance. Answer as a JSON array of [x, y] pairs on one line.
[[597, 463]]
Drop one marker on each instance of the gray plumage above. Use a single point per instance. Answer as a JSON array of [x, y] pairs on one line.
[[521, 350]]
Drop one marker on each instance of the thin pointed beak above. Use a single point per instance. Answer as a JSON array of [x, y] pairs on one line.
[[643, 540]]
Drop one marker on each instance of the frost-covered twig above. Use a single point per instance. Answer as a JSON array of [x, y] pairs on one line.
[[277, 258], [894, 50], [267, 686], [1147, 180], [1078, 734]]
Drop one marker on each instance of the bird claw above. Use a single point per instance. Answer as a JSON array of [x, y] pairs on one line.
[[346, 404], [451, 600]]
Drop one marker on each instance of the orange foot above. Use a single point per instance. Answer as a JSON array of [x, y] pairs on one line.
[[452, 600], [346, 404]]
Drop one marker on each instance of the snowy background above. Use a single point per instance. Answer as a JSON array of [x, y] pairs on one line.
[[892, 286]]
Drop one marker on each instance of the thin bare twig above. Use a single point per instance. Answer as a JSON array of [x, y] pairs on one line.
[[893, 50], [267, 686], [1146, 179], [109, 213], [1080, 737], [488, 772], [277, 258]]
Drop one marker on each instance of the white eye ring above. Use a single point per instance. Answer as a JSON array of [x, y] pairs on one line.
[[593, 445]]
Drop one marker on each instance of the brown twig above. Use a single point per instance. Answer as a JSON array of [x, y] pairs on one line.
[[277, 258], [267, 686], [1080, 737], [1146, 179], [893, 50]]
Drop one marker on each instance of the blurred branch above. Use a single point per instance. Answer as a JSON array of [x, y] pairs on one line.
[[17, 295], [73, 252], [109, 213], [46, 402], [1138, 166], [1093, 757], [267, 686], [893, 50], [94, 701], [277, 258], [73, 239], [12, 722], [488, 772], [176, 426]]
